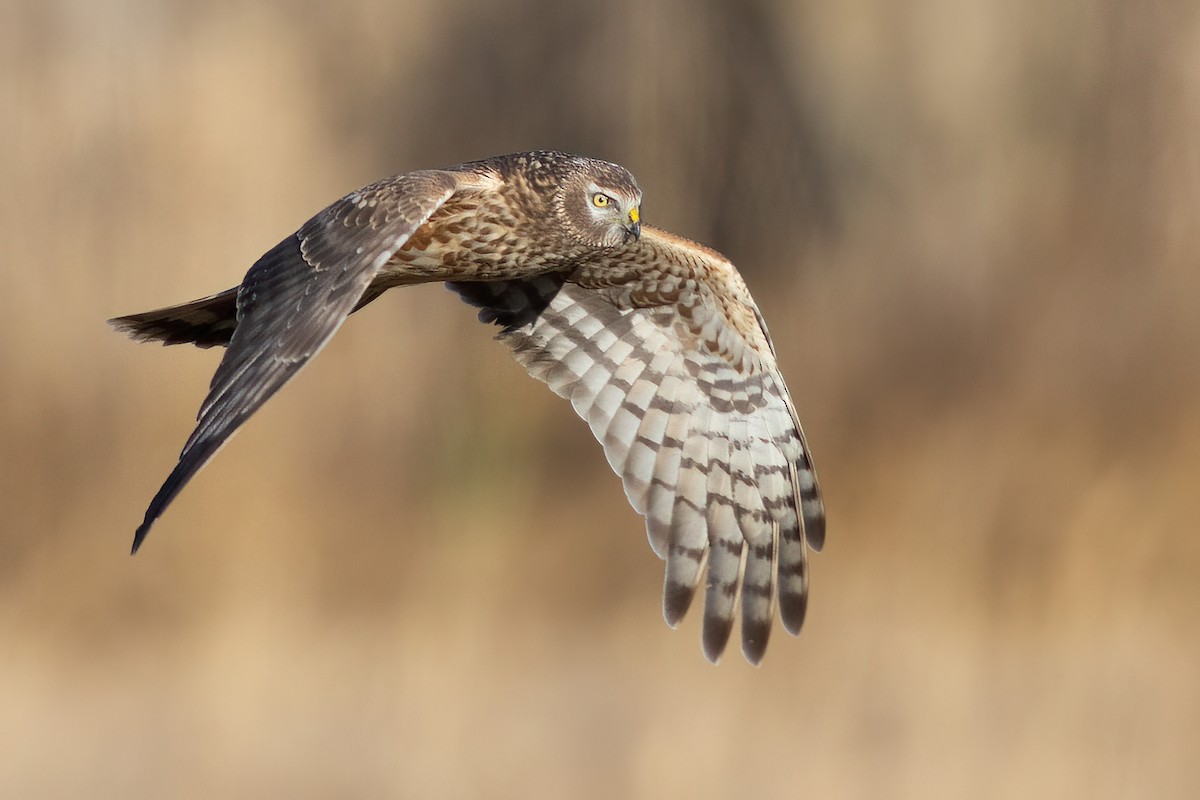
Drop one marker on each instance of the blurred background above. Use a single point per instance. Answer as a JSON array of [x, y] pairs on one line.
[[972, 226]]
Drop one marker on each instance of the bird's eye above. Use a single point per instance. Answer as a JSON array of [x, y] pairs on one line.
[[601, 200]]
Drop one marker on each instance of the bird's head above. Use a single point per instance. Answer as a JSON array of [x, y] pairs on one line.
[[600, 203]]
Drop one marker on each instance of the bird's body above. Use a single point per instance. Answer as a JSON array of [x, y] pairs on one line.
[[496, 225], [655, 340]]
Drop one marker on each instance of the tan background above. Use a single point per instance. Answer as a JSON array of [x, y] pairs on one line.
[[973, 226]]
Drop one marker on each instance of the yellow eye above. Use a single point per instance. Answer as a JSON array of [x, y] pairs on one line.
[[601, 200]]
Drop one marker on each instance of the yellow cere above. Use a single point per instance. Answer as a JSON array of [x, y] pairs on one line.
[[634, 215]]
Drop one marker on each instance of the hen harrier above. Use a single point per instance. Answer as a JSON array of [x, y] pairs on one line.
[[654, 339]]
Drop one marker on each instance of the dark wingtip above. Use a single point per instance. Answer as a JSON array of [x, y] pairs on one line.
[[165, 495], [140, 536], [754, 640], [715, 637], [792, 609], [814, 531], [677, 598]]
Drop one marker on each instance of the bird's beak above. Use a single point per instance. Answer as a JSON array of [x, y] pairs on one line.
[[634, 229]]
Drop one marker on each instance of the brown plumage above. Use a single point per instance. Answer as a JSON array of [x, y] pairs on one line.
[[655, 340]]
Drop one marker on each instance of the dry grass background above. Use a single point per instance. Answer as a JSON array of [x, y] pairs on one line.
[[973, 227]]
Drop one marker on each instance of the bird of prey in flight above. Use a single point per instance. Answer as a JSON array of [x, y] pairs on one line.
[[654, 339]]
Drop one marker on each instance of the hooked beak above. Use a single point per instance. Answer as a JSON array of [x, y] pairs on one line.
[[633, 230]]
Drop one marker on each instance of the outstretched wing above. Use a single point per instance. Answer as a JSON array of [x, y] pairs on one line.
[[293, 300], [660, 348]]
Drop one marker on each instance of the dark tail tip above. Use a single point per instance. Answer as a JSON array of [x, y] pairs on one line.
[[207, 322]]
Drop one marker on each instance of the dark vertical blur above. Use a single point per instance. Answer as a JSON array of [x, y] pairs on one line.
[[972, 227]]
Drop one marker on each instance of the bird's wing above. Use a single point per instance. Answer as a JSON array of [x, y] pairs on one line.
[[294, 299], [660, 348]]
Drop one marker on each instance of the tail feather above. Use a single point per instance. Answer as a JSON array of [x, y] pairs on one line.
[[207, 322]]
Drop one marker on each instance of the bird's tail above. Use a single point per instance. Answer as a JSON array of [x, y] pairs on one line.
[[207, 322]]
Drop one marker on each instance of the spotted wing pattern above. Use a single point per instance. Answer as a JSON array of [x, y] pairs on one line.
[[693, 415], [292, 301]]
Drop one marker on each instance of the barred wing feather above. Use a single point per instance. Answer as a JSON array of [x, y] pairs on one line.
[[709, 450]]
